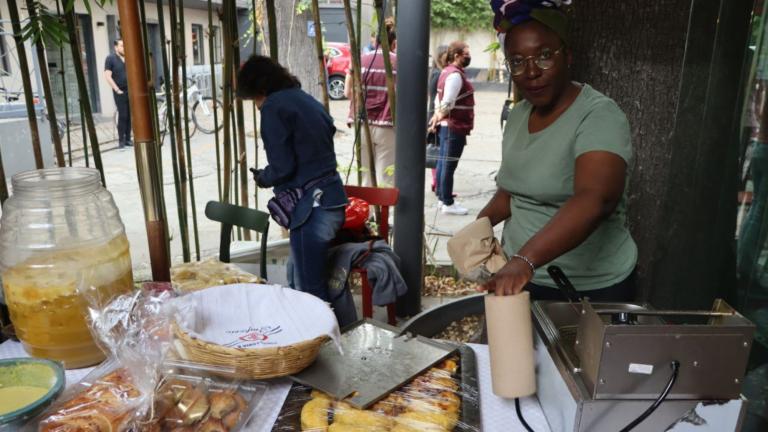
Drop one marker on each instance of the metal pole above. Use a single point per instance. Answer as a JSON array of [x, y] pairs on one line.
[[145, 146], [413, 32]]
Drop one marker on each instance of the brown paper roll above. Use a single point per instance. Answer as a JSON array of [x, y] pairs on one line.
[[510, 343]]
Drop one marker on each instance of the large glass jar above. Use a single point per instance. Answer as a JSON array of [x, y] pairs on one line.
[[60, 234]]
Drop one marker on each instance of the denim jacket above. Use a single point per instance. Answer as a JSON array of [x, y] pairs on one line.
[[298, 140]]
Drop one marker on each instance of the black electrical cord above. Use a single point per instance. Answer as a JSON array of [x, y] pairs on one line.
[[520, 415], [675, 371]]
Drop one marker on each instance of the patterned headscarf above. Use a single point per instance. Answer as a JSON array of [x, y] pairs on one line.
[[508, 13]]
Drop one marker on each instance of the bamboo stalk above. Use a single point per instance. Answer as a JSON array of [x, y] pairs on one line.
[[144, 138], [320, 57], [242, 158], [181, 155], [255, 123], [211, 38], [21, 53], [235, 162], [43, 64], [227, 102], [358, 89], [171, 120], [3, 185], [155, 128], [272, 23], [85, 138], [358, 127], [85, 101], [62, 71], [385, 50], [183, 56]]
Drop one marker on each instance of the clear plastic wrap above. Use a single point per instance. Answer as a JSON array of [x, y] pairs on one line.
[[135, 330], [139, 389], [194, 276], [442, 399]]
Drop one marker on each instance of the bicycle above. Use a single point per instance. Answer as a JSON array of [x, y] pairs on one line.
[[202, 116]]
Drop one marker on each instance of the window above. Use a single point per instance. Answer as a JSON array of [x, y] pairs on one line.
[[197, 44], [5, 63], [217, 45]]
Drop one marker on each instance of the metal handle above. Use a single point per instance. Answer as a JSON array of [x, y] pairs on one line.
[[665, 312], [557, 275]]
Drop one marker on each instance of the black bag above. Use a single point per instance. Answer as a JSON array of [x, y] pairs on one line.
[[433, 151]]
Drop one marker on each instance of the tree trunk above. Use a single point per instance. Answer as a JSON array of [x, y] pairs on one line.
[[295, 50], [676, 84]]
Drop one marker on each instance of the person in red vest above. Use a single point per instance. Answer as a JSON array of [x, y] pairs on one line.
[[377, 110], [455, 114]]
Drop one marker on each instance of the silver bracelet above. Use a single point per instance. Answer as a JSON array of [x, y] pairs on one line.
[[527, 261]]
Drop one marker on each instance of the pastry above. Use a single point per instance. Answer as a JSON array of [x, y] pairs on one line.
[[314, 415]]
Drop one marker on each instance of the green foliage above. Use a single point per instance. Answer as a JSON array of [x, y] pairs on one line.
[[462, 14], [47, 26], [303, 6], [492, 47]]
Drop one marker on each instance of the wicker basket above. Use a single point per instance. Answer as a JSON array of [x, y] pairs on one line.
[[250, 363], [277, 331]]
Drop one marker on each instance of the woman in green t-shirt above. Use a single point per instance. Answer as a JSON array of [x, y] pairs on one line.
[[562, 182]]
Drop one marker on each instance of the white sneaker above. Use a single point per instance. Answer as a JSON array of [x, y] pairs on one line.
[[453, 209]]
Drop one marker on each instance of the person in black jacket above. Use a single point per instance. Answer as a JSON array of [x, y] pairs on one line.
[[298, 140]]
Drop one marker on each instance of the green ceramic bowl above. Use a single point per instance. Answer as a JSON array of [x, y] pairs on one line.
[[34, 373]]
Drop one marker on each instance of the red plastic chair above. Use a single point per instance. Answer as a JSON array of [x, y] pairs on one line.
[[383, 198]]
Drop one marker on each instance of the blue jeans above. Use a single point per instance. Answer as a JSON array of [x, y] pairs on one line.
[[309, 251], [451, 147]]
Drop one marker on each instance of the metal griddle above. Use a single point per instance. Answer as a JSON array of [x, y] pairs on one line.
[[376, 360]]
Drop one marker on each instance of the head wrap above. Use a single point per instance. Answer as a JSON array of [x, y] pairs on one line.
[[508, 13]]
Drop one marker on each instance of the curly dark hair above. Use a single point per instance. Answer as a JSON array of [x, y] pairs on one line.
[[262, 76]]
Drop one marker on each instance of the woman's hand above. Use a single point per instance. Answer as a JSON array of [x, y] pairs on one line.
[[510, 280], [257, 173]]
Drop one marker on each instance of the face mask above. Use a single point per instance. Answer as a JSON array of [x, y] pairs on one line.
[[466, 61]]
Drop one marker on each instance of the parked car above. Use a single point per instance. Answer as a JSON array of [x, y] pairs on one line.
[[337, 59]]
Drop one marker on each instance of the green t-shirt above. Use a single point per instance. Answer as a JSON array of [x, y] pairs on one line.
[[538, 171]]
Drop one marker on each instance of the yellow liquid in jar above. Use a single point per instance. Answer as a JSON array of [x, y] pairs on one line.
[[48, 314]]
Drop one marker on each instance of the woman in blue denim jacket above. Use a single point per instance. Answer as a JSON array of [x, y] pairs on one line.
[[298, 139]]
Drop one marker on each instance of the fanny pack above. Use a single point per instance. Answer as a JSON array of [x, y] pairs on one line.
[[281, 206]]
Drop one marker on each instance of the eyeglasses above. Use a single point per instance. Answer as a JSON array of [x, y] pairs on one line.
[[544, 61]]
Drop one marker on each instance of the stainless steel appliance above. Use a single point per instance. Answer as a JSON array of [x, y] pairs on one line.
[[601, 365]]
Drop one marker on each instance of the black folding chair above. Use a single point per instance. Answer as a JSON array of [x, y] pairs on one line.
[[231, 215]]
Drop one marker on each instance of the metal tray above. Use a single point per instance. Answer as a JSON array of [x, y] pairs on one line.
[[289, 418]]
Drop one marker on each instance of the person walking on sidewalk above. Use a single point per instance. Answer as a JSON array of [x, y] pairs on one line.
[[377, 110], [455, 114], [117, 78]]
